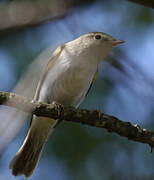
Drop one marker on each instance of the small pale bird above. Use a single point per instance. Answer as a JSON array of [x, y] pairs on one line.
[[66, 80]]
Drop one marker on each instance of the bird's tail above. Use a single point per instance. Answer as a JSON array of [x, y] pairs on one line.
[[28, 155]]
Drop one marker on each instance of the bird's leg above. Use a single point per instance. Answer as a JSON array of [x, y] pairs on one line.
[[59, 107]]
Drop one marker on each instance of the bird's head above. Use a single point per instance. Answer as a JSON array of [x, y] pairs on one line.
[[97, 43]]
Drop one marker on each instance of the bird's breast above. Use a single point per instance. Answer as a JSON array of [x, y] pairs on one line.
[[70, 88], [68, 81]]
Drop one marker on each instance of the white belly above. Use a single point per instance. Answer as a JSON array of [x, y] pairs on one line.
[[68, 87]]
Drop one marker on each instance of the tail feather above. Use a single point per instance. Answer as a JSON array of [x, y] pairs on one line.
[[28, 155]]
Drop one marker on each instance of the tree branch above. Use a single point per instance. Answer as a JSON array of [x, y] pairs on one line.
[[147, 3], [93, 118], [17, 15]]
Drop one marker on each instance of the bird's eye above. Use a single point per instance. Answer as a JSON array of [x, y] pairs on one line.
[[98, 36]]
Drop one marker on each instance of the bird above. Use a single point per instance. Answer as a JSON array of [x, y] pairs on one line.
[[67, 78]]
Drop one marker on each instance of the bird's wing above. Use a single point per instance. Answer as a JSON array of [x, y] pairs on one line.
[[26, 86], [52, 61], [48, 67]]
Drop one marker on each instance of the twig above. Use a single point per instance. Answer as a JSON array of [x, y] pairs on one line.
[[93, 118], [22, 14], [147, 3]]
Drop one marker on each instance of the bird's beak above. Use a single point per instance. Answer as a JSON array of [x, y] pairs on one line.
[[116, 42]]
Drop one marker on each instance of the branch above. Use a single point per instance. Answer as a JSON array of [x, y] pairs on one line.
[[93, 118], [20, 14], [17, 15], [147, 3]]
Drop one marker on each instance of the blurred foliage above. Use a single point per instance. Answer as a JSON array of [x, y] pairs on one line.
[[145, 16]]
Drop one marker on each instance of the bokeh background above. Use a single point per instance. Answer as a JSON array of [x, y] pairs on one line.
[[123, 87]]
